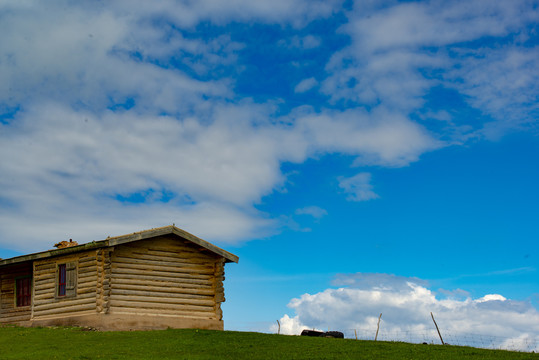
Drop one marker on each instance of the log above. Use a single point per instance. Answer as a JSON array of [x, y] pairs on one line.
[[163, 300], [162, 312], [152, 305], [158, 273], [92, 278], [84, 298], [85, 290], [45, 296], [87, 259], [168, 287], [18, 310], [62, 312], [208, 272], [180, 264], [44, 290], [219, 313], [44, 266], [44, 280], [92, 264], [8, 319], [176, 262], [166, 256], [160, 293], [88, 270], [180, 281], [88, 284], [182, 254], [44, 277], [150, 312], [65, 310]]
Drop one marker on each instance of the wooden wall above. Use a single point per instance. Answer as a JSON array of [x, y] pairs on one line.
[[8, 311], [166, 277], [89, 274]]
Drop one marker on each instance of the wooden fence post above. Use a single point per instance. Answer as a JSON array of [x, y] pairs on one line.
[[378, 327], [440, 335]]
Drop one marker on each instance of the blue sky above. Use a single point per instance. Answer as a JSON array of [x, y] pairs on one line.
[[337, 147]]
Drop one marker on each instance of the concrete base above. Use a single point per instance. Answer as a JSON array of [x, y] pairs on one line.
[[126, 322]]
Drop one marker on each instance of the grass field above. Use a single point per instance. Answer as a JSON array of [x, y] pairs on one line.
[[75, 343]]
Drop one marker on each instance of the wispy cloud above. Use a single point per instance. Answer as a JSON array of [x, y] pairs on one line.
[[401, 51], [314, 211], [515, 271], [358, 187], [305, 85]]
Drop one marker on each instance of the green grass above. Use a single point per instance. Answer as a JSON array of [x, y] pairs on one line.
[[74, 343]]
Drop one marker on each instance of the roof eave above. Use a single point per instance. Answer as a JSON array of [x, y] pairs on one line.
[[55, 252], [123, 239], [118, 240]]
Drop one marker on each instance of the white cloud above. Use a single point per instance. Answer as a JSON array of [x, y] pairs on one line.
[[314, 211], [289, 326], [434, 23], [379, 137], [504, 83], [85, 58], [192, 149], [307, 42], [69, 167], [401, 51], [358, 187], [305, 85], [491, 297], [406, 306]]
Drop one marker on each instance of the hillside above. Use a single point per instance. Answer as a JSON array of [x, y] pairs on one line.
[[76, 343]]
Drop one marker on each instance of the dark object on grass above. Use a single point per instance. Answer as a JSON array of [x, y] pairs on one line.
[[312, 333], [328, 334], [333, 334]]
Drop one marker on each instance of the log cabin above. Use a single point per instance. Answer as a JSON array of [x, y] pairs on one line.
[[153, 279]]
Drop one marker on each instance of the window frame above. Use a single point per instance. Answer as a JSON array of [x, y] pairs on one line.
[[27, 296], [66, 280], [61, 285]]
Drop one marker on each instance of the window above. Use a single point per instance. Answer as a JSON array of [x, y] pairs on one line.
[[62, 280], [23, 289], [66, 280]]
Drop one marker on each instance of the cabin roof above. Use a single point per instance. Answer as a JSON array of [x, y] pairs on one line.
[[124, 239]]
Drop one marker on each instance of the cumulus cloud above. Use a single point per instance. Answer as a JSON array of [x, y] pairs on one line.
[[358, 187], [406, 304]]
